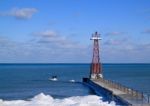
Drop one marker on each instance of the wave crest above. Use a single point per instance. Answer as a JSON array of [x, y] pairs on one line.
[[47, 100]]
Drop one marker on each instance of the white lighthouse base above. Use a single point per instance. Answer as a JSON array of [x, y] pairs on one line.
[[96, 76]]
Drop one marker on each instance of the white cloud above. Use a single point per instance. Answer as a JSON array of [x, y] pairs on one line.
[[46, 33], [115, 33], [112, 42], [50, 46], [118, 41], [20, 13], [57, 49], [54, 38], [125, 50], [147, 31]]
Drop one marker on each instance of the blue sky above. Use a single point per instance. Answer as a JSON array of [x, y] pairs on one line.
[[59, 31]]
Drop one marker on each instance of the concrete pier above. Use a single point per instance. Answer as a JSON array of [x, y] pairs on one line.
[[122, 95]]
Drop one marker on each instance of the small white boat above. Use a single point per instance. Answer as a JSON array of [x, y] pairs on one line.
[[71, 80], [54, 78]]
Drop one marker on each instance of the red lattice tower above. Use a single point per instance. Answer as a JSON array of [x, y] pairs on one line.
[[96, 68]]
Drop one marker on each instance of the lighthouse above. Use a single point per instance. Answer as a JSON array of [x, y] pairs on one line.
[[96, 67]]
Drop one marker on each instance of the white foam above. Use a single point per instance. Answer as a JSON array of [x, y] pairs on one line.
[[47, 100]]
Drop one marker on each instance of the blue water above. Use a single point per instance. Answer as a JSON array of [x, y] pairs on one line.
[[23, 81], [136, 76], [27, 80]]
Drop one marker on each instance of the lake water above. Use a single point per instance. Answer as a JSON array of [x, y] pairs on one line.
[[31, 82]]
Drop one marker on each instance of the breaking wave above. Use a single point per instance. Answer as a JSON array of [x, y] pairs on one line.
[[46, 100]]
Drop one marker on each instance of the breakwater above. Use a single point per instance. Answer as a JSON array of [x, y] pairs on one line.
[[122, 95]]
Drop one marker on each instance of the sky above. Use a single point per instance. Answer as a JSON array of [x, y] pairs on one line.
[[59, 31]]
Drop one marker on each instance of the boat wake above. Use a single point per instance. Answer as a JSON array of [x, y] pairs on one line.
[[47, 100]]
